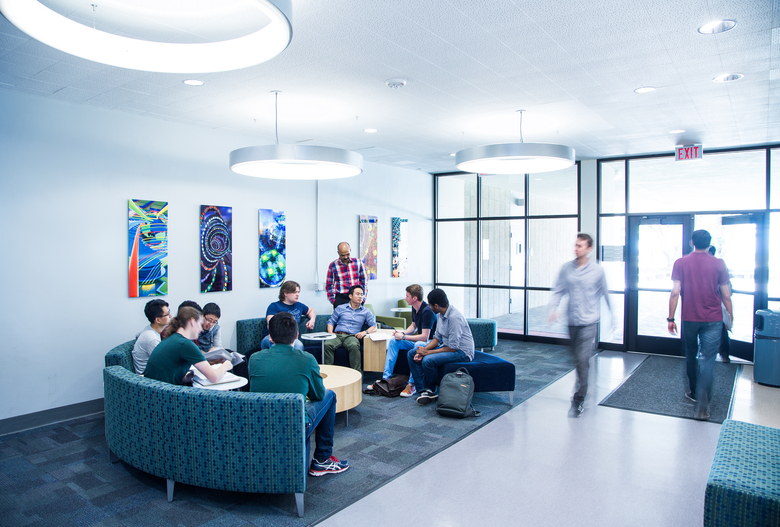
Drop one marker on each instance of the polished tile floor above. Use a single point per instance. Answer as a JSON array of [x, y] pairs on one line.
[[536, 466]]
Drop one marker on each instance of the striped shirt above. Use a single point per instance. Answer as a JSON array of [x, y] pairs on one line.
[[342, 276]]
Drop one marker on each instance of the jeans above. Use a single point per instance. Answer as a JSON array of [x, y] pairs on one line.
[[700, 374], [321, 417], [582, 343], [428, 368], [393, 347], [266, 343]]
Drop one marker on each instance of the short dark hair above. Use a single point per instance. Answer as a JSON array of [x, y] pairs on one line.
[[212, 309], [701, 239], [283, 328], [154, 309], [288, 287], [415, 291], [438, 297], [712, 250], [352, 289], [586, 237], [190, 303]]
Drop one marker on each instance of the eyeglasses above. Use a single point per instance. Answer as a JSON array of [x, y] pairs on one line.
[[166, 315], [211, 320]]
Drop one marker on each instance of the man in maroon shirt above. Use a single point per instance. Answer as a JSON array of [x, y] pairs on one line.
[[698, 277]]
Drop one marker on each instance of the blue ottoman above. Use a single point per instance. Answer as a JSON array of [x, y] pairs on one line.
[[744, 484], [490, 373]]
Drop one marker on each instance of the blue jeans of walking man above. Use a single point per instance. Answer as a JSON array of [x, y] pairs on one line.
[[321, 418], [700, 373], [426, 372]]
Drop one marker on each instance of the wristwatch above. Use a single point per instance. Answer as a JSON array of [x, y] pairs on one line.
[[403, 336], [670, 319]]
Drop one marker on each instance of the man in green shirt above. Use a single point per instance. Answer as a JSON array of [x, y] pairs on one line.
[[284, 369]]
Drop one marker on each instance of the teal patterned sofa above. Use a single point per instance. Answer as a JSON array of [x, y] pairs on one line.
[[743, 488], [237, 441]]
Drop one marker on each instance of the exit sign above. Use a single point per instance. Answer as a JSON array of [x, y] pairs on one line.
[[688, 152]]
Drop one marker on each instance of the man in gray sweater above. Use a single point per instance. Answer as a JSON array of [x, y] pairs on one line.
[[585, 283]]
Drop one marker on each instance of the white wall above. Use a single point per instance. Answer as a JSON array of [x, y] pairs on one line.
[[66, 173]]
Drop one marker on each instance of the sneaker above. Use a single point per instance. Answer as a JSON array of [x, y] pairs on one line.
[[577, 407], [329, 466], [690, 397], [409, 391], [702, 415], [427, 397], [370, 387]]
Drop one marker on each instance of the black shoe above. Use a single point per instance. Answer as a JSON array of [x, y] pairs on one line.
[[702, 415], [427, 397], [690, 396], [725, 358], [577, 407]]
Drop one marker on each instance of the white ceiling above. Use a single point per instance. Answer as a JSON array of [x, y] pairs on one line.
[[469, 65]]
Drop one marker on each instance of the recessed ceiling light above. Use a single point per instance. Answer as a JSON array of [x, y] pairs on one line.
[[728, 77], [717, 26], [676, 131], [193, 82], [644, 89], [452, 154], [370, 130]]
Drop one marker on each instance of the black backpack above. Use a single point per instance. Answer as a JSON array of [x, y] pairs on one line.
[[391, 387], [455, 392]]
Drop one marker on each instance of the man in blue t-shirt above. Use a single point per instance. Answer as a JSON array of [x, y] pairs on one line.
[[417, 334], [288, 303]]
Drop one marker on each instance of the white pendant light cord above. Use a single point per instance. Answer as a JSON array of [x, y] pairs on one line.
[[276, 114], [521, 125]]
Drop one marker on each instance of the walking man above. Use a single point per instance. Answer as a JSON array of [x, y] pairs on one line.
[[585, 283], [698, 277]]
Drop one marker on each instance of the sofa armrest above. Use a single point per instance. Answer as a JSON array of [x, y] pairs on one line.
[[249, 335], [393, 322]]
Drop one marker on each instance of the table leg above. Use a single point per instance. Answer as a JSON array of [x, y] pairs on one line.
[[346, 417], [322, 354]]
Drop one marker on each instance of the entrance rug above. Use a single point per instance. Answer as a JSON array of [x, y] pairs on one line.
[[60, 475], [658, 386]]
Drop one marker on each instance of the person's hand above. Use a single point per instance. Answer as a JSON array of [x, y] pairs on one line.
[[360, 335], [553, 317], [418, 357], [673, 327], [398, 335], [310, 324], [229, 365]]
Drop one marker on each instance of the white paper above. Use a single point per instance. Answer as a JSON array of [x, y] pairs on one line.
[[377, 337]]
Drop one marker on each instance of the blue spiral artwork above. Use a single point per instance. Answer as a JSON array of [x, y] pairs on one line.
[[216, 248], [273, 247]]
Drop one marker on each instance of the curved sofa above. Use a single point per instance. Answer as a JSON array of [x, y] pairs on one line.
[[237, 441]]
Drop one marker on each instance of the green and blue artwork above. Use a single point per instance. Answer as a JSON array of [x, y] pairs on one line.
[[273, 247]]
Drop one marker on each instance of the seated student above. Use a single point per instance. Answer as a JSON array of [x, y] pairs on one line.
[[284, 369], [159, 314], [288, 302], [423, 320], [346, 322], [168, 330], [211, 336], [171, 359]]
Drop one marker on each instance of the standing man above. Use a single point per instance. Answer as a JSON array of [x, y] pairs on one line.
[[452, 342], [585, 283], [284, 369], [417, 334], [346, 323], [343, 274], [159, 315], [288, 302], [698, 277]]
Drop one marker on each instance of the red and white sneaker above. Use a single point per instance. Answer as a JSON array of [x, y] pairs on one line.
[[329, 466], [409, 391]]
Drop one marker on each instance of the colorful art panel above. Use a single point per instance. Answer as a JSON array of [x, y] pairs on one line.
[[368, 238], [216, 248], [273, 248], [147, 229], [400, 246]]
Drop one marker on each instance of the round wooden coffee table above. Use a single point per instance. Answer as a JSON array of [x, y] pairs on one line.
[[347, 385]]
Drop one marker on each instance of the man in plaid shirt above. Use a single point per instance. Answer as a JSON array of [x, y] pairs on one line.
[[343, 274]]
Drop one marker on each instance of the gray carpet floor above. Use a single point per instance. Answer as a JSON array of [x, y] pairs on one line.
[[59, 475], [658, 386]]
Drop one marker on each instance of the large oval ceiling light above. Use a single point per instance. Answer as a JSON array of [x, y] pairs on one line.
[[67, 35], [515, 158], [717, 26], [295, 161]]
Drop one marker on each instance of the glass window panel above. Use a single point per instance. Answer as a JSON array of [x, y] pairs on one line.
[[736, 245], [662, 184], [503, 256], [464, 299], [613, 187], [502, 195], [553, 192], [774, 197], [653, 308], [773, 305], [659, 247], [613, 240], [539, 311], [611, 326], [742, 306], [457, 196], [550, 245], [456, 252], [505, 306], [774, 254]]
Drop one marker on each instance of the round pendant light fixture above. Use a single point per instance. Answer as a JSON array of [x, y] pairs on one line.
[[296, 161], [70, 36], [515, 158]]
